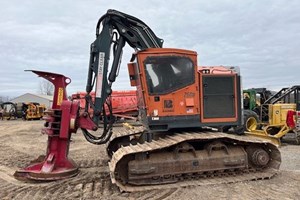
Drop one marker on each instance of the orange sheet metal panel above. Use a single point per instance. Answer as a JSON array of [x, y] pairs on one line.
[[184, 101]]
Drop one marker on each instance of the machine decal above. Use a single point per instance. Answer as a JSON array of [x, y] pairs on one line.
[[168, 106], [189, 94], [100, 74], [60, 96], [189, 110], [155, 118]]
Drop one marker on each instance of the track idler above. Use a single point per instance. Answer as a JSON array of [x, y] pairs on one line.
[[258, 156]]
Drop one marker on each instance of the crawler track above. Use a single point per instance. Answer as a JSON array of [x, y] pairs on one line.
[[121, 157]]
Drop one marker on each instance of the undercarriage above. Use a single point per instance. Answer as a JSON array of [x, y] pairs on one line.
[[189, 158]]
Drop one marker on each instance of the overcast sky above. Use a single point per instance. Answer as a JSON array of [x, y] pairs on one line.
[[261, 37]]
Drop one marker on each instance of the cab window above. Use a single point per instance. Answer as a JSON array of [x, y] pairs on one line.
[[166, 74]]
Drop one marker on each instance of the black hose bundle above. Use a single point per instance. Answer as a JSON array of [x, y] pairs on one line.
[[107, 127]]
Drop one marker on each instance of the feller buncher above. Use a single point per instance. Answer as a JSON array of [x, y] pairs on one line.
[[177, 101]]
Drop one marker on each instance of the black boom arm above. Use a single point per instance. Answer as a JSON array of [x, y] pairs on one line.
[[113, 31]]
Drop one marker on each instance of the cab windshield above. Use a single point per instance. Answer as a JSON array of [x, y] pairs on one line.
[[166, 74]]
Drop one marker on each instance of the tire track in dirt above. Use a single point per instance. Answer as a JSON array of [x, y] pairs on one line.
[[92, 163], [279, 187], [163, 194], [93, 181], [14, 158], [154, 194]]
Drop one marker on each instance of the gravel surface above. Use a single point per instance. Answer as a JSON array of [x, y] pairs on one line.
[[22, 141]]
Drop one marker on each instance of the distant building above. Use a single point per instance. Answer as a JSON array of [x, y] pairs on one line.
[[39, 98]]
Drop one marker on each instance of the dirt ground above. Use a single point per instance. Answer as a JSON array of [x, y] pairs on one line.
[[21, 142]]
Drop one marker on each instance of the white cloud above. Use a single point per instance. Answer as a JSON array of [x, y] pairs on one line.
[[262, 37]]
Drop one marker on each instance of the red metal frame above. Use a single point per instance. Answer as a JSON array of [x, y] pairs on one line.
[[290, 120], [60, 124], [124, 103]]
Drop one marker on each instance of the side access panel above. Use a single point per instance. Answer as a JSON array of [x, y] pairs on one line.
[[220, 99]]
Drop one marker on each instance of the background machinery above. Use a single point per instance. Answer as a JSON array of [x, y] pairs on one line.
[[27, 111], [254, 98], [177, 101], [8, 110], [31, 110], [268, 117]]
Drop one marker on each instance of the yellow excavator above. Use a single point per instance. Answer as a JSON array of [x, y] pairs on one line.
[[178, 102]]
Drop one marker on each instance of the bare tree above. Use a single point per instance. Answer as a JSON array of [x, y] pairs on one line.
[[4, 98], [46, 87]]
